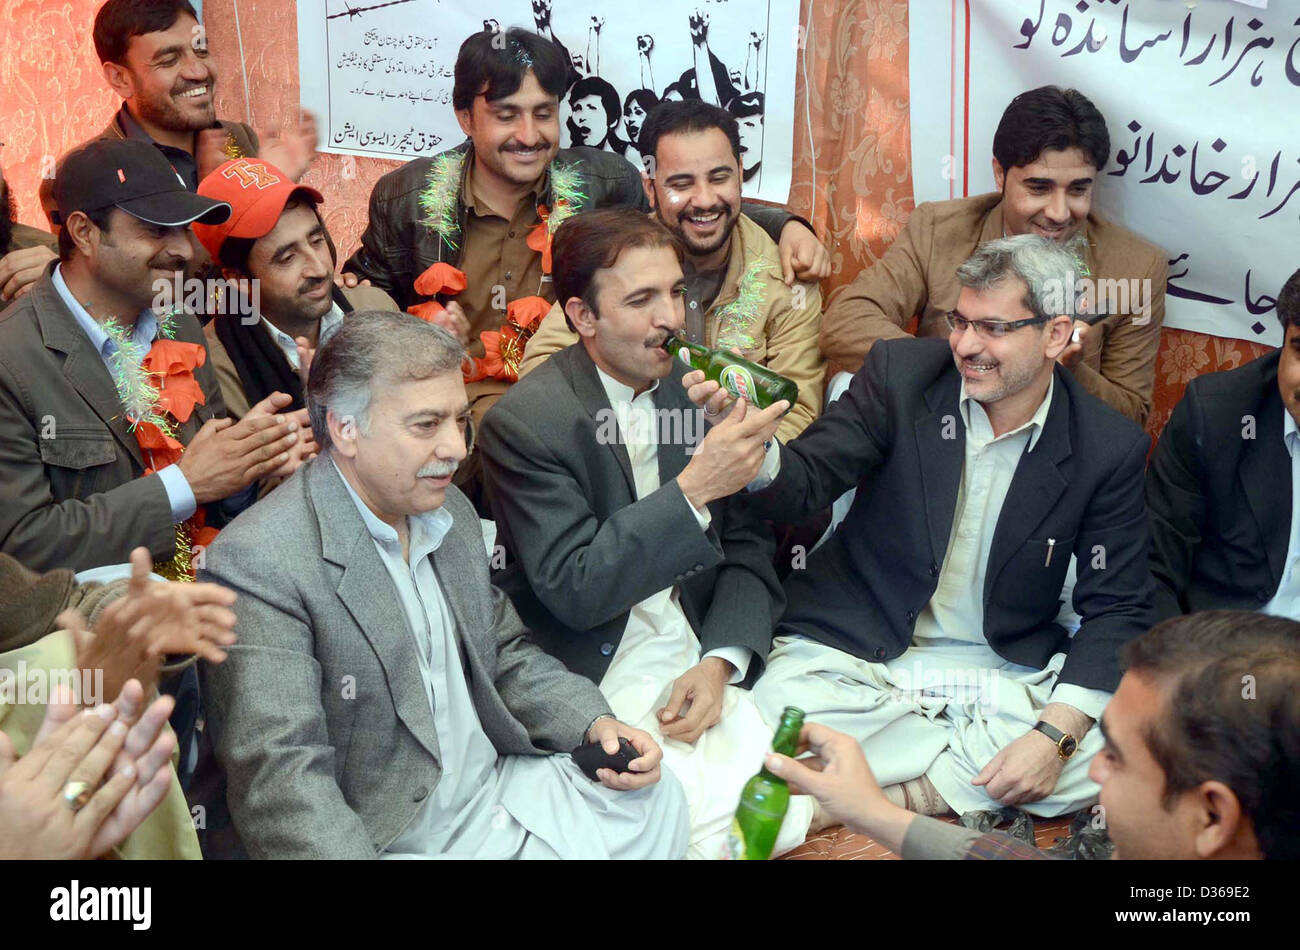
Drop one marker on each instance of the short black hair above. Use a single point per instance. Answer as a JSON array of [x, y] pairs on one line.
[[1050, 117], [99, 217], [593, 241], [494, 64], [595, 86], [119, 20], [1231, 680], [1288, 302], [686, 116]]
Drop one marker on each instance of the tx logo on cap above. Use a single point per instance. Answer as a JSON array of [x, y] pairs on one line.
[[251, 174]]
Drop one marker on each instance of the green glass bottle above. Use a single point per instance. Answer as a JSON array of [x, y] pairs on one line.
[[765, 799], [758, 385]]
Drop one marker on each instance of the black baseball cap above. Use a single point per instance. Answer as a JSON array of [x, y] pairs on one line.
[[134, 176]]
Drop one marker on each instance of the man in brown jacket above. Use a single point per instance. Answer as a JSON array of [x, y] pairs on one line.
[[735, 294], [1048, 150]]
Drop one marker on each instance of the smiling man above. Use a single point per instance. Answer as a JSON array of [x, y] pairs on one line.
[[926, 626], [274, 241], [624, 554], [154, 55], [1048, 153], [80, 483], [735, 292], [384, 699], [475, 206]]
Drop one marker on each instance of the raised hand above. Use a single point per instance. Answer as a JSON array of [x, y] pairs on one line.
[[542, 14], [52, 805], [699, 23], [730, 454], [292, 149], [20, 269], [225, 457]]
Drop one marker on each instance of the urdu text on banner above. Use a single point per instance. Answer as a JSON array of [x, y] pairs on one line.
[[1201, 101], [379, 73]]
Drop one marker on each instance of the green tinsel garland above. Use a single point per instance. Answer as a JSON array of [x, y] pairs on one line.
[[736, 320], [441, 197], [126, 364], [567, 195]]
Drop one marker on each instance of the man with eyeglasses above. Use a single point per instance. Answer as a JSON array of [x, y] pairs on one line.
[[1048, 152], [926, 626]]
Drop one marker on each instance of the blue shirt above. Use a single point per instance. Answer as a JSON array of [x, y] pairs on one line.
[[179, 494]]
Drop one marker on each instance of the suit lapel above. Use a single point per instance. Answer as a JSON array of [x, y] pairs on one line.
[[1268, 494], [464, 592], [941, 450], [581, 372], [1035, 488], [83, 368], [368, 593]]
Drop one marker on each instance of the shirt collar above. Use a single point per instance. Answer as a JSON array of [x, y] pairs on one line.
[[619, 392], [146, 324], [328, 324], [134, 130], [1290, 432], [427, 529], [473, 201], [967, 406]]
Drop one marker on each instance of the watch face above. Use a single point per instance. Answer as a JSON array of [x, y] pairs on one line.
[[1068, 745]]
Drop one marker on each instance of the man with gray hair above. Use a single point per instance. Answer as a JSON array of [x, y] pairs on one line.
[[926, 626], [384, 699]]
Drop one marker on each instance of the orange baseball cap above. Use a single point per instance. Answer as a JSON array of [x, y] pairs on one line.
[[256, 191]]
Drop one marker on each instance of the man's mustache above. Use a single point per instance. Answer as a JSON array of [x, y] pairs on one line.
[[438, 469]]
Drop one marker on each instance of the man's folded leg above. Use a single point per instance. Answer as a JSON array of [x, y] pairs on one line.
[[982, 729]]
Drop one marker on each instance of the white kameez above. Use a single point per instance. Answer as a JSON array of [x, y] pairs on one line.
[[658, 646], [512, 806], [949, 704]]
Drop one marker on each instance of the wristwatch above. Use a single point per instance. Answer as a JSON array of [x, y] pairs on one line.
[[1066, 744]]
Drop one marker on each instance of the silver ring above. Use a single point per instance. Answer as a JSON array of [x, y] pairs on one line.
[[76, 794], [710, 412]]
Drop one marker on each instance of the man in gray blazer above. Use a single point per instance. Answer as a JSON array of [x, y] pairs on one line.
[[384, 699], [624, 554]]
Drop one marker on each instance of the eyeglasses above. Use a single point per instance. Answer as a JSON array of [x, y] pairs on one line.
[[989, 329]]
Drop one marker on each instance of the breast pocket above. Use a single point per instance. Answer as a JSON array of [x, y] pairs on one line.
[[77, 459], [1035, 574]]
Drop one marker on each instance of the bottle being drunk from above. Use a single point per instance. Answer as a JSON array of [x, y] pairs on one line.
[[765, 799], [757, 385]]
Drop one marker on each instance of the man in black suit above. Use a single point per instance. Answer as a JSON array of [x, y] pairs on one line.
[[625, 556], [926, 626], [1223, 528]]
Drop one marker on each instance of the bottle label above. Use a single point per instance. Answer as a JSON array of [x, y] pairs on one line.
[[739, 382], [733, 849], [684, 355]]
